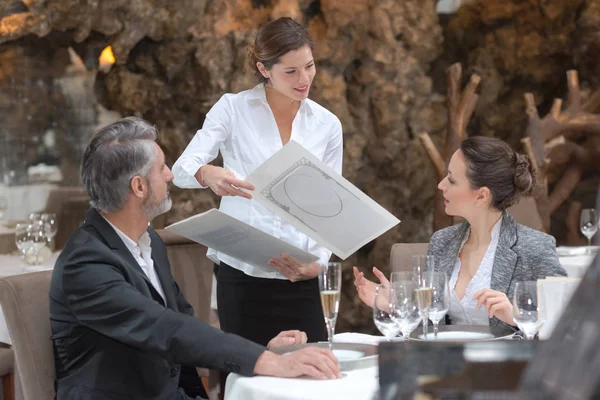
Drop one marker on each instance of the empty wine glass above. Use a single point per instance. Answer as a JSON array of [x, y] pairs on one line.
[[527, 313], [50, 225], [440, 300], [407, 312], [3, 206], [423, 267], [330, 286], [384, 309], [588, 224], [37, 234], [22, 239]]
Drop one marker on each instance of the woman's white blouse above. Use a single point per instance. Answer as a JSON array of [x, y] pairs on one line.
[[242, 127], [464, 312]]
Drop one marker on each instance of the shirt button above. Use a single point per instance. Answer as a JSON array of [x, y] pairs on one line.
[[174, 371]]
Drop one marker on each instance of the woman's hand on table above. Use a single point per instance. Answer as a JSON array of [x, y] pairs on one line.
[[293, 270], [366, 288], [315, 362], [496, 304], [223, 182], [287, 338]]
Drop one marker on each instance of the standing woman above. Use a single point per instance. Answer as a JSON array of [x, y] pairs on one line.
[[248, 128]]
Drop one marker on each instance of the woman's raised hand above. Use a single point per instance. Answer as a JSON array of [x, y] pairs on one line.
[[366, 288], [223, 182]]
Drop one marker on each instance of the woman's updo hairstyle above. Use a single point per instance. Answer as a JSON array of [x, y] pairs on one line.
[[494, 164], [273, 40]]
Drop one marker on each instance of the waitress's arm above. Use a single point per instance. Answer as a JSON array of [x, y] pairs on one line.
[[204, 146]]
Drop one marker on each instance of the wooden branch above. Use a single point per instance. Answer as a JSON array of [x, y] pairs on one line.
[[434, 155], [553, 143], [564, 187], [593, 103], [556, 107], [574, 95], [574, 237]]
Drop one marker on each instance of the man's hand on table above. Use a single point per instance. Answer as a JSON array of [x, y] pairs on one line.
[[315, 362]]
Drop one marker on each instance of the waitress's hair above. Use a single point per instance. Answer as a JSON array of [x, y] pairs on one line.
[[273, 40], [494, 164]]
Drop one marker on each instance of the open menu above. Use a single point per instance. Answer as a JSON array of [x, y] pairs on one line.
[[237, 239]]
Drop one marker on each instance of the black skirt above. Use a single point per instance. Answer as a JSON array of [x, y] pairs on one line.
[[259, 308]]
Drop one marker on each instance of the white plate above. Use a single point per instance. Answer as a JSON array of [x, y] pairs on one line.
[[344, 355], [458, 336]]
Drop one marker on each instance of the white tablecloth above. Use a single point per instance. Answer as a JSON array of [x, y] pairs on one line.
[[356, 385], [575, 259], [25, 199], [12, 265]]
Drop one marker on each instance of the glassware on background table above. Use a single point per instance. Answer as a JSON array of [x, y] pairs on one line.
[[407, 312], [423, 267], [37, 234], [35, 216], [3, 206], [528, 313], [22, 238], [330, 286], [384, 309], [588, 224], [440, 300], [50, 226]]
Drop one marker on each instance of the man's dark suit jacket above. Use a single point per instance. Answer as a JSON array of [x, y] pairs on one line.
[[114, 338]]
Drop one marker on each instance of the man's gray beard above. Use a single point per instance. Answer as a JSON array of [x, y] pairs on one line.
[[153, 210]]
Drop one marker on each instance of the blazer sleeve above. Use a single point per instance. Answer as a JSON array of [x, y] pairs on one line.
[[101, 299], [543, 258]]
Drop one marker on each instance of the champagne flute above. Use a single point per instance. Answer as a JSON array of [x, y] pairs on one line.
[[423, 266], [407, 310], [37, 234], [440, 300], [588, 224], [330, 285], [384, 309], [527, 313]]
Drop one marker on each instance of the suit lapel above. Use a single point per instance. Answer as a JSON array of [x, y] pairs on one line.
[[163, 270], [505, 259], [116, 244], [447, 260]]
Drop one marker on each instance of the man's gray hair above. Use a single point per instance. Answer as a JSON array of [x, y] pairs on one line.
[[115, 154]]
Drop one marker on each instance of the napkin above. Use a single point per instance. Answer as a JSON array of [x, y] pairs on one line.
[[554, 294]]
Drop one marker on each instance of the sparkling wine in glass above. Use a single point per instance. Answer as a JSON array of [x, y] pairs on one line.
[[527, 311], [384, 309], [22, 239], [423, 267], [50, 226], [440, 300], [588, 224], [330, 286]]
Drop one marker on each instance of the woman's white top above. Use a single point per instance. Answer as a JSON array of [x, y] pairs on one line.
[[242, 127], [464, 312]]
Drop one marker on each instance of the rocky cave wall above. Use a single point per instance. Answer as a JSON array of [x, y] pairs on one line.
[[380, 68]]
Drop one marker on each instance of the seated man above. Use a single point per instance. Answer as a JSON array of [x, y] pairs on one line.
[[120, 325]]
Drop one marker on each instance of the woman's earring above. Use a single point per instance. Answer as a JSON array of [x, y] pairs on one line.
[[477, 204]]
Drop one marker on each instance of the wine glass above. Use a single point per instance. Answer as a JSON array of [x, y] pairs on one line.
[[330, 285], [423, 266], [440, 300], [37, 234], [22, 239], [50, 225], [384, 309], [527, 313], [407, 312], [3, 206], [588, 223]]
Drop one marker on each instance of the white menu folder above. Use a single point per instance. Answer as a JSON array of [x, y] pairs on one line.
[[237, 239], [319, 202]]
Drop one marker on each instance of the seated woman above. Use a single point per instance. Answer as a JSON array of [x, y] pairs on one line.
[[486, 255]]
